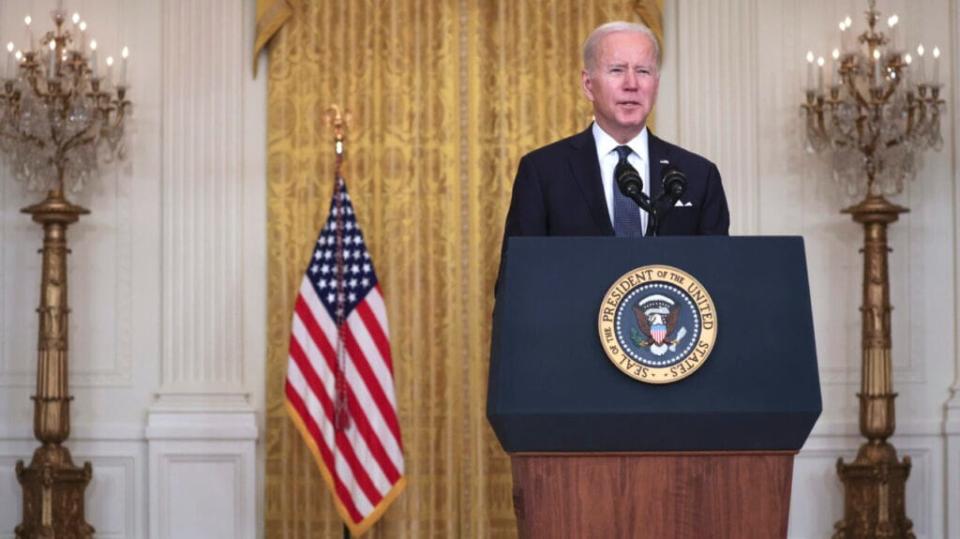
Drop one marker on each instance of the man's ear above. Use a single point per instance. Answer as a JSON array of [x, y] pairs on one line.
[[586, 84]]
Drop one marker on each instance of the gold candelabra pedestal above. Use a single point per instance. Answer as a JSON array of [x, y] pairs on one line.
[[874, 483], [53, 487]]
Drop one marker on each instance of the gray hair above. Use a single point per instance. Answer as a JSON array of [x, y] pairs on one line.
[[602, 31]]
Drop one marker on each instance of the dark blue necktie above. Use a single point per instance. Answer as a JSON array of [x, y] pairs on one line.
[[626, 214]]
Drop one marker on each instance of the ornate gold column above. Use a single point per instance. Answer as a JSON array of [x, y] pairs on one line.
[[53, 487], [874, 483]]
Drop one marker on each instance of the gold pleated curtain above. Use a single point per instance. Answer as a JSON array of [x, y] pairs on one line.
[[445, 96]]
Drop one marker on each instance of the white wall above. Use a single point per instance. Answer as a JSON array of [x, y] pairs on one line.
[[732, 91], [167, 281]]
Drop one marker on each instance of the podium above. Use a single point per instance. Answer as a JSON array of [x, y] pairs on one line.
[[596, 453]]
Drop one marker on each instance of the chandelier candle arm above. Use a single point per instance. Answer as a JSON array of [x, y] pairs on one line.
[[872, 121]]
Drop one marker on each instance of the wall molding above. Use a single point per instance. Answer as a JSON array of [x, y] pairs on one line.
[[118, 432], [171, 523], [201, 426], [906, 428], [197, 442]]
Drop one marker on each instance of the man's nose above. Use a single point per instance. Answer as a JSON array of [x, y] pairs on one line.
[[631, 80]]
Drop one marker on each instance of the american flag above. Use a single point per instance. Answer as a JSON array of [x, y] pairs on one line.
[[339, 386]]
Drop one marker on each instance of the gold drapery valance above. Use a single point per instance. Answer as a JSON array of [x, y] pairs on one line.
[[271, 14], [446, 95]]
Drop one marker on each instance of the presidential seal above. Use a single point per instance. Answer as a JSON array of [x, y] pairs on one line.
[[657, 324]]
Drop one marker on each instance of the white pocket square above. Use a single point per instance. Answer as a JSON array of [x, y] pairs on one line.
[[681, 204]]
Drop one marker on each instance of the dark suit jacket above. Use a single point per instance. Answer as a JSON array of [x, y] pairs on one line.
[[558, 192]]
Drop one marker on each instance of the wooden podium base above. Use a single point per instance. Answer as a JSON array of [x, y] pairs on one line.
[[735, 495]]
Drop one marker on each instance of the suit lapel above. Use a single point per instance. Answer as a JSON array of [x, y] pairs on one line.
[[586, 172], [658, 152]]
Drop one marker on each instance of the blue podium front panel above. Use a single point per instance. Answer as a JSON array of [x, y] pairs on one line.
[[552, 388]]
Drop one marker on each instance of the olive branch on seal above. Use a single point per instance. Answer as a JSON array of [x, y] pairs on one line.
[[637, 337]]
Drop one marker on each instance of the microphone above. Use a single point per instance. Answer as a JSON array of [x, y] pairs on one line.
[[631, 185], [674, 182]]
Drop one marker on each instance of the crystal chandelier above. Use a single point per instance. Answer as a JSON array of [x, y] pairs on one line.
[[60, 116], [878, 110]]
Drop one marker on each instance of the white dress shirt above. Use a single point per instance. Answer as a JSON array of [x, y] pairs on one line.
[[608, 158]]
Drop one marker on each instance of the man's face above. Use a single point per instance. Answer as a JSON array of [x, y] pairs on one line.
[[622, 84]]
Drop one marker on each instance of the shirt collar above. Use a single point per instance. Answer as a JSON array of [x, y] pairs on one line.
[[606, 143]]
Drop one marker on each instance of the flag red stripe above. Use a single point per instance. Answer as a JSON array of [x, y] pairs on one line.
[[376, 333], [319, 337], [338, 485], [373, 385], [359, 417], [358, 414], [359, 472], [305, 416], [312, 379]]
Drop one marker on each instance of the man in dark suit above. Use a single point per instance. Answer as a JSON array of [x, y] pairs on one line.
[[568, 189]]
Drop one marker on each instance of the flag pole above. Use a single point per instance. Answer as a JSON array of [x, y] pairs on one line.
[[341, 416], [339, 122]]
